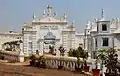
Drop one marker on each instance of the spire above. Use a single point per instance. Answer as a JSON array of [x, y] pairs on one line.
[[34, 16], [117, 19], [65, 17], [73, 22], [44, 13], [102, 14], [88, 26], [72, 25]]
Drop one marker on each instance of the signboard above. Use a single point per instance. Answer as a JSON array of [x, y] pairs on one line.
[[52, 27]]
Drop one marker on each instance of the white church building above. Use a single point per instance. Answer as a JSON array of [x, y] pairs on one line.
[[47, 31], [102, 34], [41, 33]]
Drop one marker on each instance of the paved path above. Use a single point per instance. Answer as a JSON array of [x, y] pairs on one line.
[[8, 69]]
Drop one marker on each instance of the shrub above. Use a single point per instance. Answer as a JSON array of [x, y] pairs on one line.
[[41, 62], [33, 59]]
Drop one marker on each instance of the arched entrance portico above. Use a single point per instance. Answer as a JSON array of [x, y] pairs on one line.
[[49, 41], [44, 44]]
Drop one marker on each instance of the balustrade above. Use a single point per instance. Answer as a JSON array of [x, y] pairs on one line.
[[11, 56], [68, 63]]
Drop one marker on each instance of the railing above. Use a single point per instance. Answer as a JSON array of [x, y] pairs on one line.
[[11, 56], [67, 63]]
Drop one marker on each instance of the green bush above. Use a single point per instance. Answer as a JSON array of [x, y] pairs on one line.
[[73, 53], [79, 52]]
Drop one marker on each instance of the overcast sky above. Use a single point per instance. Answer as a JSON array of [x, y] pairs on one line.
[[13, 13]]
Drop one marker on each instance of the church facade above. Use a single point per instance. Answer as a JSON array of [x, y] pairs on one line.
[[41, 33], [47, 31]]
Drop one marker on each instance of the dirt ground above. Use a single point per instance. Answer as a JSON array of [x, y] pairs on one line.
[[20, 70]]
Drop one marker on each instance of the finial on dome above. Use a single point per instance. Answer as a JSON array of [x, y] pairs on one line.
[[73, 21], [117, 19], [88, 22], [65, 16], [72, 26], [44, 13], [102, 13], [34, 16]]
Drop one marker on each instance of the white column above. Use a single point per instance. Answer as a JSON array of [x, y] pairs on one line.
[[98, 64], [34, 43], [21, 56], [41, 44], [93, 65]]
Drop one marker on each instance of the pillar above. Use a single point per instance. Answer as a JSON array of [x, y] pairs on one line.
[[21, 56]]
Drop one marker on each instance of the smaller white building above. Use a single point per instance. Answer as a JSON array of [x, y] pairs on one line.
[[9, 37], [102, 34]]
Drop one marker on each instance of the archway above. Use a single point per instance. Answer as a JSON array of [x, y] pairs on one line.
[[49, 42]]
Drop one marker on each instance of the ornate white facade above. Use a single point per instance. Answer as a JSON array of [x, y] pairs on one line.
[[49, 31], [102, 34]]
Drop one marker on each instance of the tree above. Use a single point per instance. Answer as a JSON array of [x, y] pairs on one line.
[[79, 53], [111, 62], [72, 53], [102, 55], [82, 53]]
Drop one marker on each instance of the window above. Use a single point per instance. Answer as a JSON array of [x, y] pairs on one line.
[[30, 45], [105, 41], [30, 37], [96, 42], [104, 27]]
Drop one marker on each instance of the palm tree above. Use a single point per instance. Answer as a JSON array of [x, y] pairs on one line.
[[102, 55], [111, 62]]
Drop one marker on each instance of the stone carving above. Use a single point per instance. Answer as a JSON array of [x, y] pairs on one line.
[[113, 21], [49, 36]]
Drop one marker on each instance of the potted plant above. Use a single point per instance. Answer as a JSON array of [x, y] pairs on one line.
[[77, 66], [101, 57], [111, 62], [62, 50], [84, 55], [80, 54], [86, 67]]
